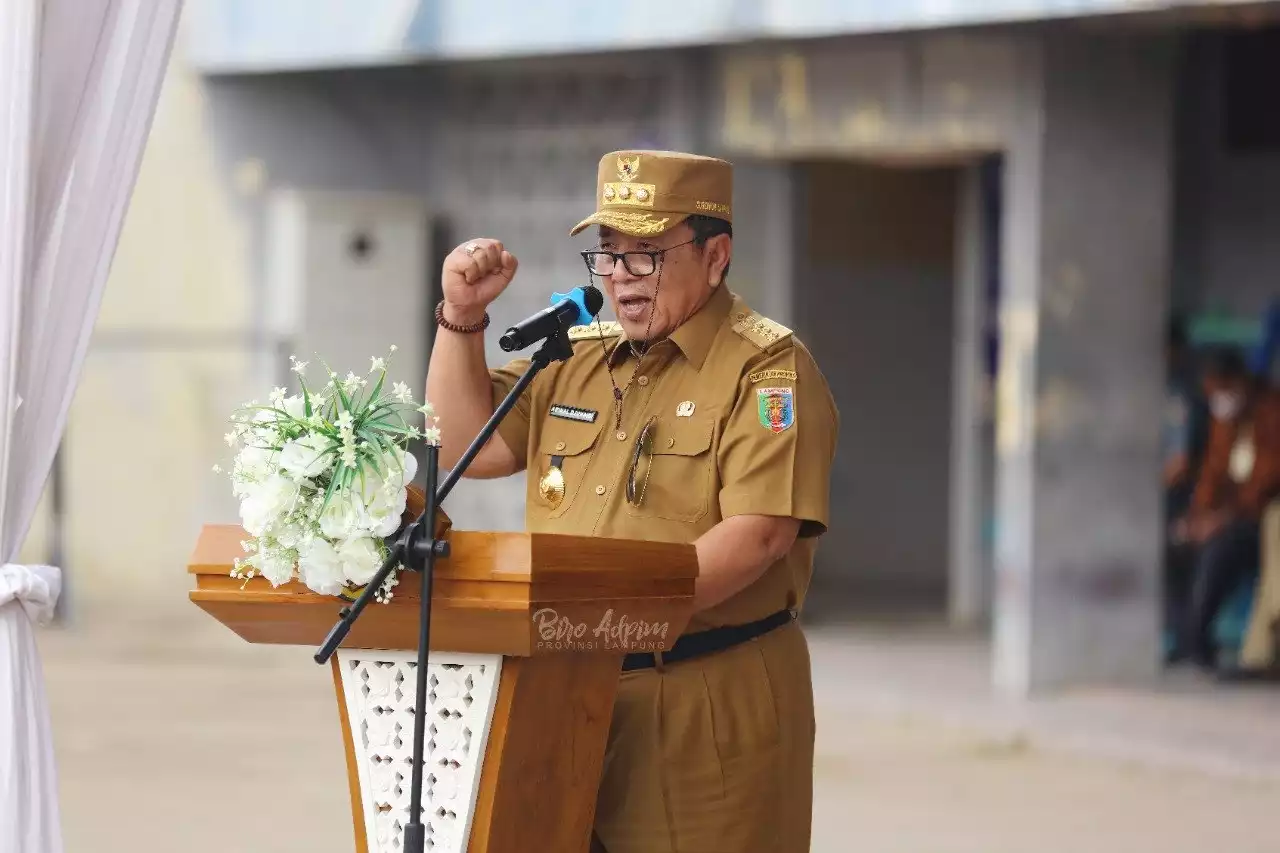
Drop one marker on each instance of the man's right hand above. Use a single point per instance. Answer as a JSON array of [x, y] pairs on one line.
[[475, 274]]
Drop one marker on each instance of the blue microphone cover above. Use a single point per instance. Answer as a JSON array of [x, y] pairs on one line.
[[578, 297]]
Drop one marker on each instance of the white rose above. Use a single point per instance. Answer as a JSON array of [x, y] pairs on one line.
[[295, 407], [386, 524], [368, 485], [343, 516], [320, 567], [277, 566], [271, 500], [384, 511], [409, 465], [305, 458], [252, 518], [253, 464], [290, 535], [360, 560], [386, 503]]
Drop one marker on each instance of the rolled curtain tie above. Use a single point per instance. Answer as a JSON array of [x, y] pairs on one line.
[[36, 588]]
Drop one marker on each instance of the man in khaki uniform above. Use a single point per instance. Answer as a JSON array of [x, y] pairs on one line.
[[692, 419]]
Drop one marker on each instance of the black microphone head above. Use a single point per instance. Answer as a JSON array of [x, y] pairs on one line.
[[510, 341], [593, 299]]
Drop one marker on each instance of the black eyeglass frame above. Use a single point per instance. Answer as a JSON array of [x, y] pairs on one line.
[[652, 254]]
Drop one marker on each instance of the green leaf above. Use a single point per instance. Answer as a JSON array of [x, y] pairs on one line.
[[374, 456], [377, 387], [332, 487]]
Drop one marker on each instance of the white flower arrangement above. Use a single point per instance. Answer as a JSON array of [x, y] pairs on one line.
[[322, 477]]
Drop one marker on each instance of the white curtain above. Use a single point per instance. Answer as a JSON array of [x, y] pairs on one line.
[[79, 81]]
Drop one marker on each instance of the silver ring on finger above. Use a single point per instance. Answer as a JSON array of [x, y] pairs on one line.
[[471, 249]]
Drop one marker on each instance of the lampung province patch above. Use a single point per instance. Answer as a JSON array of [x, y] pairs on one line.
[[776, 407]]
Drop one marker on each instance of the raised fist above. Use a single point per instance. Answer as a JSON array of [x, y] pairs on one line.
[[475, 273]]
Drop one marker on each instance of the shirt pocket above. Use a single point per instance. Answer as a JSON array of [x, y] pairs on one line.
[[569, 445], [674, 475]]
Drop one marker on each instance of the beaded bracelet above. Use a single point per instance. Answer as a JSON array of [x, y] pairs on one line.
[[454, 327]]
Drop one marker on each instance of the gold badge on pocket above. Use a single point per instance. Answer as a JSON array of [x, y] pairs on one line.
[[551, 486]]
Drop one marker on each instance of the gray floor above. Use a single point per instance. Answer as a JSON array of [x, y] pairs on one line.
[[172, 734]]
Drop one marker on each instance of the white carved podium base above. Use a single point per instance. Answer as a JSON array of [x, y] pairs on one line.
[[378, 689]]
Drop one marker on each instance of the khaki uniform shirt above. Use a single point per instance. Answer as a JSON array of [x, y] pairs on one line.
[[741, 423], [714, 753]]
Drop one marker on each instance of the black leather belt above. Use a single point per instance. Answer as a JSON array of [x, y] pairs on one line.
[[708, 642]]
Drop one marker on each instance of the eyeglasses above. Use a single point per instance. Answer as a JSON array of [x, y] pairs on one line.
[[641, 454], [638, 263]]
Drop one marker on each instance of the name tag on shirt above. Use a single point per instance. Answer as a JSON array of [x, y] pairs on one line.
[[573, 413]]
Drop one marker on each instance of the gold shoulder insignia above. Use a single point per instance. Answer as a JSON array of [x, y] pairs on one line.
[[607, 329], [762, 332]]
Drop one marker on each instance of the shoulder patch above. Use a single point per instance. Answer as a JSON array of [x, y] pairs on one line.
[[607, 329], [762, 332]]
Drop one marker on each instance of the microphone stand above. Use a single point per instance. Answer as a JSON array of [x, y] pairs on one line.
[[416, 549]]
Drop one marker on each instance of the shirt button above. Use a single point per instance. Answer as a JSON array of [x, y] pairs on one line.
[[643, 380], [559, 445], [622, 436], [671, 442], [599, 490]]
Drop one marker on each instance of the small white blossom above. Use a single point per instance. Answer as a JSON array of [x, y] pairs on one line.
[[230, 438], [277, 397], [376, 364], [394, 347], [217, 469], [353, 383], [432, 436], [298, 366], [402, 393]]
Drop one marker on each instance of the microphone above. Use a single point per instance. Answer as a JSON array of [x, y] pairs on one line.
[[575, 308]]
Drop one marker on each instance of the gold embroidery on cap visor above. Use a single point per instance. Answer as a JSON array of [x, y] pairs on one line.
[[631, 222]]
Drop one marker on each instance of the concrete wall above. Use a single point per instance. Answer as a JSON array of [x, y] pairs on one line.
[[1086, 261]]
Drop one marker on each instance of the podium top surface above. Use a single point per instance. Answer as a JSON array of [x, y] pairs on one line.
[[516, 594]]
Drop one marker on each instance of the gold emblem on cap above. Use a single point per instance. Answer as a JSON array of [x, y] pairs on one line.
[[685, 409], [551, 487], [628, 169]]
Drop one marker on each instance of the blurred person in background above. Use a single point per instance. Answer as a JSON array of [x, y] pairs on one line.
[[1240, 475], [1185, 423], [1184, 428]]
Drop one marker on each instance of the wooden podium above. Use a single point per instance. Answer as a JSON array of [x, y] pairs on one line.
[[527, 637]]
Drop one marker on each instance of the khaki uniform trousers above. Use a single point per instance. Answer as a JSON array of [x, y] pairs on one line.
[[714, 754]]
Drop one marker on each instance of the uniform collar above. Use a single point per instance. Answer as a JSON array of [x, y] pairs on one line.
[[694, 336]]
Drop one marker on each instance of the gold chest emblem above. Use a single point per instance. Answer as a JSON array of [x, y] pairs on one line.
[[551, 486]]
